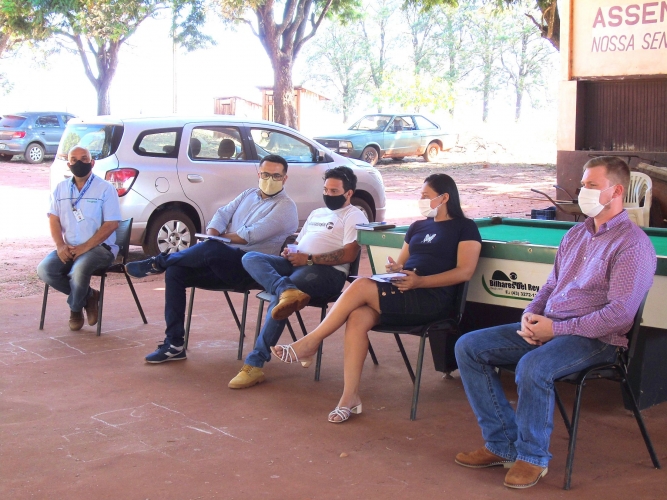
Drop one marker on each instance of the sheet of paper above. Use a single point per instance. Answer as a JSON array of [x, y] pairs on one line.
[[383, 278], [210, 237]]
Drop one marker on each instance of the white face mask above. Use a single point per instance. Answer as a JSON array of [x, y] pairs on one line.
[[425, 207], [589, 201]]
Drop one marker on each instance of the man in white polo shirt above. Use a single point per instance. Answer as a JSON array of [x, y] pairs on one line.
[[327, 244], [83, 216]]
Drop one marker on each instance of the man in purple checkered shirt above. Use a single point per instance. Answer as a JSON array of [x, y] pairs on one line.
[[604, 267]]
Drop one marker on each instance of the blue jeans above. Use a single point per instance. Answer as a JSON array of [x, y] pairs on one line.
[[276, 275], [523, 435], [210, 264], [73, 277]]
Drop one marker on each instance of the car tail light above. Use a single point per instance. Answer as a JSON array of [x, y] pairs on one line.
[[122, 179], [19, 135]]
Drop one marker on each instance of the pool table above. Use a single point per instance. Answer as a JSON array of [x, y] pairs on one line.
[[516, 259]]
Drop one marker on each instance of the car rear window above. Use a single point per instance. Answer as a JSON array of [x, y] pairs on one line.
[[11, 121], [101, 140]]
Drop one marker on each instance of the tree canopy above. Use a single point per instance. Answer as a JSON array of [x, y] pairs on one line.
[[283, 29], [96, 30], [548, 25]]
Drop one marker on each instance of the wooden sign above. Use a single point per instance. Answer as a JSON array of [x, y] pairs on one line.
[[612, 38]]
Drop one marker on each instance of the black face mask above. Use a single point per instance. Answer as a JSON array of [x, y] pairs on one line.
[[334, 202], [81, 169]]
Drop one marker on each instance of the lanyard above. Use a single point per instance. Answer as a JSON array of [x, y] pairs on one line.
[[83, 191]]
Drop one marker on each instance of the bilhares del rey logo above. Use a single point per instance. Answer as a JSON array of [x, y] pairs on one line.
[[510, 287]]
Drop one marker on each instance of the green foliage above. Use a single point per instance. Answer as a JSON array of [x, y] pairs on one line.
[[283, 28], [548, 25], [422, 92], [524, 56], [338, 62], [20, 22]]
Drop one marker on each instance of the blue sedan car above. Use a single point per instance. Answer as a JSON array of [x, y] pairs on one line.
[[390, 135]]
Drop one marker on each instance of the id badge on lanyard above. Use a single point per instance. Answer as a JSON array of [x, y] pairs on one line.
[[78, 214]]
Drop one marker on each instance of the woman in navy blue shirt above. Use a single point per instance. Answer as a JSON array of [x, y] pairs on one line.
[[439, 253]]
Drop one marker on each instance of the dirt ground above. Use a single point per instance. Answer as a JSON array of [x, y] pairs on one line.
[[488, 186]]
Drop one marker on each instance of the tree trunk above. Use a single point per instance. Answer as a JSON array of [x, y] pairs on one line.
[[486, 95], [284, 109], [103, 102], [551, 16], [517, 108], [4, 42]]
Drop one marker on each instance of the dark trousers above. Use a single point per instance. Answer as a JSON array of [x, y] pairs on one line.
[[210, 264]]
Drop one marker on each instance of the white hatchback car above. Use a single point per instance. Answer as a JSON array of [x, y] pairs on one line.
[[173, 173]]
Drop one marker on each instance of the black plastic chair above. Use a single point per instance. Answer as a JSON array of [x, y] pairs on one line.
[[322, 304], [123, 241], [445, 326], [239, 323], [616, 371]]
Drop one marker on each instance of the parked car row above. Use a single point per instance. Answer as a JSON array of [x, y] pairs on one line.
[[31, 134], [173, 173], [388, 135]]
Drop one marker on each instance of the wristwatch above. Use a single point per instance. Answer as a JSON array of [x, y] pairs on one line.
[[310, 259]]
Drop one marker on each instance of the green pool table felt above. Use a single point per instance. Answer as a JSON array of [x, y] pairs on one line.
[[549, 233]]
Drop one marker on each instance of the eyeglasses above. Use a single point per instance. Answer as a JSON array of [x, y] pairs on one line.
[[275, 177]]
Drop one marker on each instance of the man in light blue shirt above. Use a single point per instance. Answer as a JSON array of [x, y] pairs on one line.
[[83, 216], [259, 220]]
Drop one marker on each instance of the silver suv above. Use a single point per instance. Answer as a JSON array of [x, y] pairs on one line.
[[31, 134], [173, 173]]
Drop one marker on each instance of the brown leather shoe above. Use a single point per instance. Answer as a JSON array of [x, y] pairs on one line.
[[291, 300], [75, 320], [91, 307], [524, 475], [482, 458]]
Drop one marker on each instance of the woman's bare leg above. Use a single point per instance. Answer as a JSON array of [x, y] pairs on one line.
[[356, 348], [361, 293]]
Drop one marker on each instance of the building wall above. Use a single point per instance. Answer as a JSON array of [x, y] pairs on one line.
[[613, 89]]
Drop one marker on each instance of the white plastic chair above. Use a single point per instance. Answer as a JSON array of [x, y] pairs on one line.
[[640, 187]]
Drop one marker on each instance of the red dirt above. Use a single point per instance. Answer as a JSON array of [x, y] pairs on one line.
[[486, 189]]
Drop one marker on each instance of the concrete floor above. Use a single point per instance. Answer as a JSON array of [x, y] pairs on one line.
[[84, 417]]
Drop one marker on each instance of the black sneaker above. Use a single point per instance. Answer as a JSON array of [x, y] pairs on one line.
[[143, 268], [166, 352]]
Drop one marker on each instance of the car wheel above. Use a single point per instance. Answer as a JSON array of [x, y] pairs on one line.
[[370, 155], [34, 153], [431, 152], [397, 158], [364, 207], [6, 157], [171, 231]]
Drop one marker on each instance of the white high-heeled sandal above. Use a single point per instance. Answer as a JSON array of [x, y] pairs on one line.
[[343, 412], [289, 356]]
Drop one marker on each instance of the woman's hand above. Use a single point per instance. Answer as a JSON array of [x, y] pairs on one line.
[[409, 282], [392, 266]]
